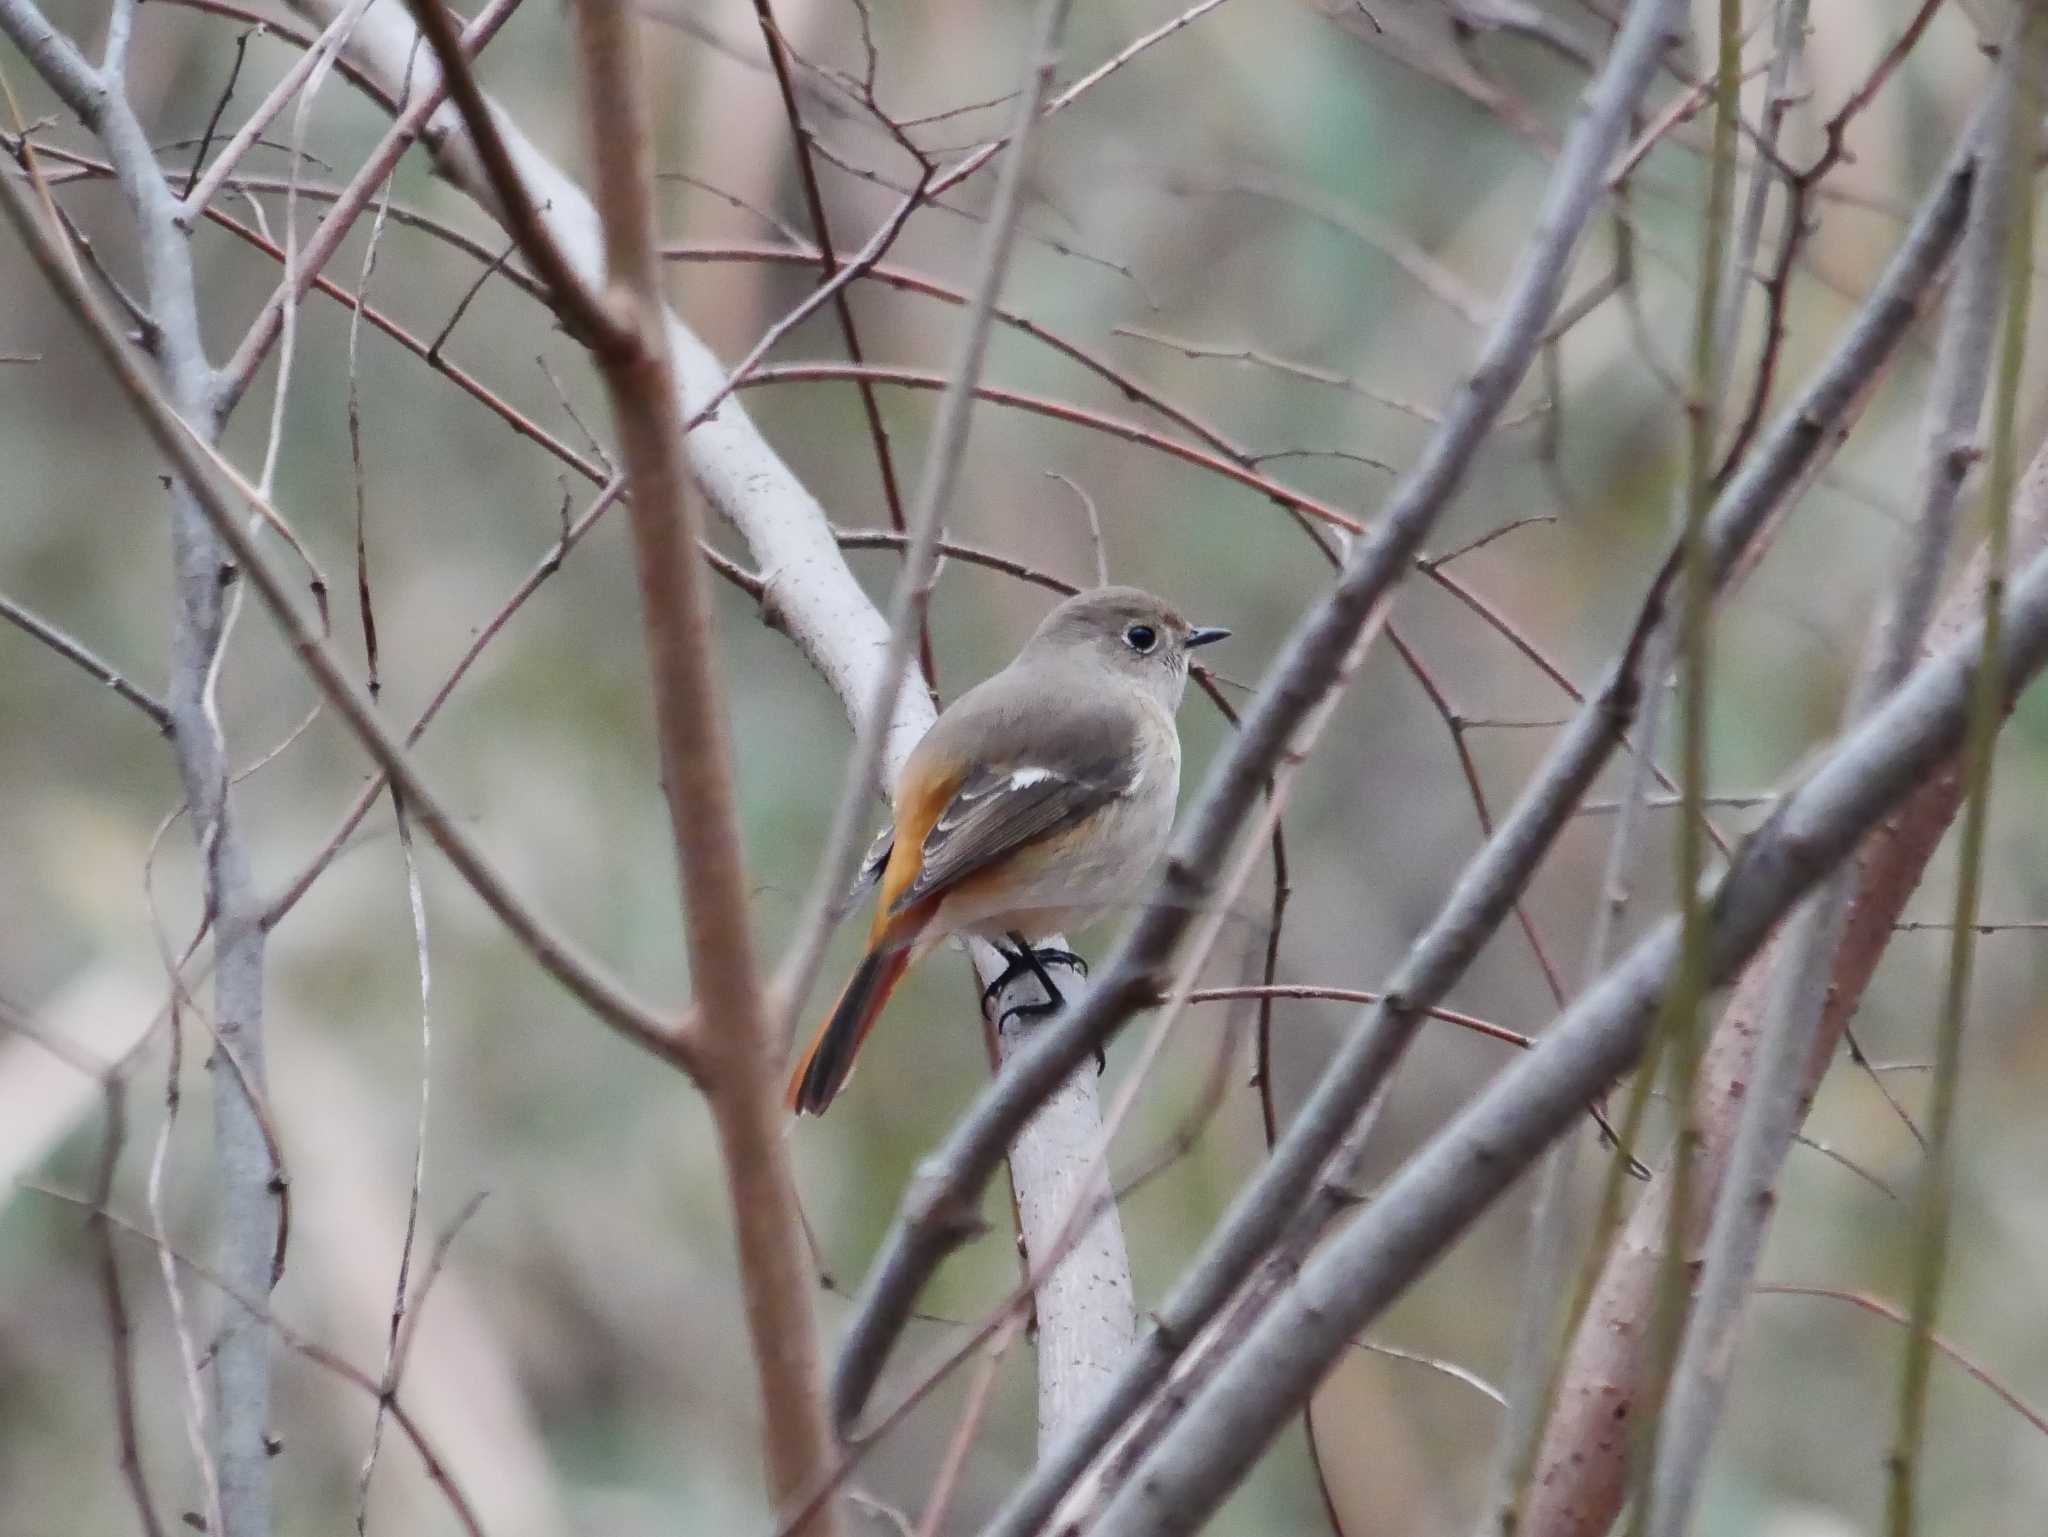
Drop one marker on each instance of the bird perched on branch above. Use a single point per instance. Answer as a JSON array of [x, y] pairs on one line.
[[1039, 797]]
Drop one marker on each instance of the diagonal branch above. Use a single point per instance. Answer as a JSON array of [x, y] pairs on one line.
[[78, 652], [928, 1225], [1801, 961], [1483, 895], [573, 293], [1474, 1160], [779, 53], [217, 494]]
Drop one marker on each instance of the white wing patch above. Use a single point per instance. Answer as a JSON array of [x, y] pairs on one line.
[[997, 810]]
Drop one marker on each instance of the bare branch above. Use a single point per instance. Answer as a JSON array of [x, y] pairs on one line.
[[1803, 960], [1297, 682], [574, 297], [76, 651], [1485, 891], [737, 1038], [1468, 1165], [250, 1205], [422, 105], [431, 1459], [2006, 176], [215, 490], [196, 197]]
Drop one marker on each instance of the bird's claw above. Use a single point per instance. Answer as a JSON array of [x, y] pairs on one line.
[[1065, 958], [1026, 1011]]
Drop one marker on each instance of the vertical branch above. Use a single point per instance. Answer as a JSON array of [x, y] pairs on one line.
[[1681, 1023], [1788, 44], [114, 1090], [1937, 1177], [1087, 1308], [249, 1192], [1462, 1170], [1310, 665], [735, 1030], [1797, 972]]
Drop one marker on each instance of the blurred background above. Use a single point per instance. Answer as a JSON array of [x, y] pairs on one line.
[[1336, 193]]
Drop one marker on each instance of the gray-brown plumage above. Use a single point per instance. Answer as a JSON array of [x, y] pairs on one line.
[[1040, 797]]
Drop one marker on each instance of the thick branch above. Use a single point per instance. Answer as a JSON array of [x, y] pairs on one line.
[[1800, 962], [1474, 1160], [1307, 669], [1485, 892], [1086, 1306]]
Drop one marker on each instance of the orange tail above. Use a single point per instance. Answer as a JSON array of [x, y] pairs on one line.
[[823, 1068]]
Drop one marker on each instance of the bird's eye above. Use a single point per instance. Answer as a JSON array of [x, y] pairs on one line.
[[1141, 638]]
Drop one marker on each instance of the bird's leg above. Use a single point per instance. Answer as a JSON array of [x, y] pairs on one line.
[[1026, 959], [1034, 961], [1016, 967]]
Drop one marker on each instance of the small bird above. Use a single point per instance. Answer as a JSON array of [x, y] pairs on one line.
[[1040, 796]]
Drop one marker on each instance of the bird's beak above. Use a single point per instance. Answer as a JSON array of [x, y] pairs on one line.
[[1206, 634]]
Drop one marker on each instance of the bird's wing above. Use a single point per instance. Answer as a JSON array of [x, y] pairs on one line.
[[999, 808], [873, 862]]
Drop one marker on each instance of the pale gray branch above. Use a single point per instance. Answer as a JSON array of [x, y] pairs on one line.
[[928, 1224], [809, 592], [250, 1187], [1802, 960], [217, 494], [1468, 1165], [1485, 892]]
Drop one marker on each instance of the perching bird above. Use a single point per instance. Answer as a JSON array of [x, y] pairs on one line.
[[1041, 796]]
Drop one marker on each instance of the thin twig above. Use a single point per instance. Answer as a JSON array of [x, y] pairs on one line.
[[828, 264], [76, 651], [1095, 545], [944, 455], [409, 121], [2009, 178], [1466, 1167], [1297, 682], [1885, 1310], [214, 486], [432, 1460], [580, 305]]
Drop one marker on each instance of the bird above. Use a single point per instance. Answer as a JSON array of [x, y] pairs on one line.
[[1041, 796]]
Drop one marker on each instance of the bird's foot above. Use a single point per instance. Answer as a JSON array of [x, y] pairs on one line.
[[1017, 967]]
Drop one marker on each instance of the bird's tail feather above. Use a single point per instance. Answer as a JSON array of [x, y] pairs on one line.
[[822, 1070]]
